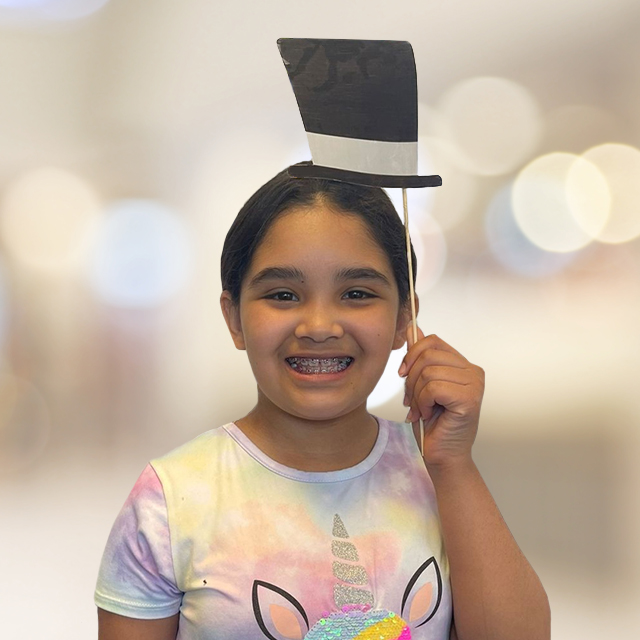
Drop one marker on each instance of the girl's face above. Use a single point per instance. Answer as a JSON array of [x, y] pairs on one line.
[[318, 314]]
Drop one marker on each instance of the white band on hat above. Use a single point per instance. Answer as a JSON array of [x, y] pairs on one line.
[[365, 156]]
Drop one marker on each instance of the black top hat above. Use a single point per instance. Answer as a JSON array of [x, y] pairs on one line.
[[359, 104]]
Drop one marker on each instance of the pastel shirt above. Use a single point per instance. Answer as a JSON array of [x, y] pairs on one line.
[[246, 548]]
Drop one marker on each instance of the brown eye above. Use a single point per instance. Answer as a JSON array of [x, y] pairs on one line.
[[282, 296], [357, 294]]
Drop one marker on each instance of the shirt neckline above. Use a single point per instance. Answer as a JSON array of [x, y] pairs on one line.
[[313, 476]]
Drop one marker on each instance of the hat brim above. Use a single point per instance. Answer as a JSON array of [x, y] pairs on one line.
[[365, 179]]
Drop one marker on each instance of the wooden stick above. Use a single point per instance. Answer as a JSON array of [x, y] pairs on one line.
[[412, 295]]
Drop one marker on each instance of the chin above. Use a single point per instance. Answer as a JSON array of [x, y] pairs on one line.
[[321, 413]]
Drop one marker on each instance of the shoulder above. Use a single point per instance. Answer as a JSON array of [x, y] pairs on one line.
[[400, 439], [402, 460], [196, 455], [195, 472]]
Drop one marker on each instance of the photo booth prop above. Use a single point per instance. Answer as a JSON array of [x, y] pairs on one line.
[[359, 105]]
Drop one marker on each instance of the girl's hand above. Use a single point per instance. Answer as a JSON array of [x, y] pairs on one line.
[[445, 390]]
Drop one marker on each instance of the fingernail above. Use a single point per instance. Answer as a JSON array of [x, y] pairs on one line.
[[409, 417], [402, 370]]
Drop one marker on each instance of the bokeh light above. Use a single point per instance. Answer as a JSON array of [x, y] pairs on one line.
[[55, 10], [451, 202], [430, 247], [142, 255], [511, 248], [620, 165], [46, 217], [494, 123], [241, 156], [24, 423], [560, 202]]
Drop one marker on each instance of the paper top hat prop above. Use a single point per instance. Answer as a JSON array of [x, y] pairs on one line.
[[359, 104]]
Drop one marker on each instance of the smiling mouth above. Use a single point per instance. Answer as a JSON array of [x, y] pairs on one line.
[[314, 366]]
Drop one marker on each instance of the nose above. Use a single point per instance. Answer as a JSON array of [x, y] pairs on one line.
[[319, 322]]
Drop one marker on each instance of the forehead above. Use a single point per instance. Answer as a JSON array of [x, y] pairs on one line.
[[320, 232]]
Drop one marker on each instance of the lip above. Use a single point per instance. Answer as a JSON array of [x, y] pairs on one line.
[[320, 356]]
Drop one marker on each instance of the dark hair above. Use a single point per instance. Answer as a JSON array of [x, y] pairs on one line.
[[283, 193]]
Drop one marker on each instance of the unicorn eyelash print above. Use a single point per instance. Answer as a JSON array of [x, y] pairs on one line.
[[281, 617]]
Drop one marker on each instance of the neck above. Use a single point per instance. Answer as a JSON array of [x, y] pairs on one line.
[[310, 445]]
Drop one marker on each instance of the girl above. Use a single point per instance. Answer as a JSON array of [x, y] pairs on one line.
[[309, 517]]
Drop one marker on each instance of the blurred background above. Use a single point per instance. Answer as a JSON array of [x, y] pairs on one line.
[[131, 133]]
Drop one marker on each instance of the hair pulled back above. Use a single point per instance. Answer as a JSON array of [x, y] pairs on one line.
[[283, 193]]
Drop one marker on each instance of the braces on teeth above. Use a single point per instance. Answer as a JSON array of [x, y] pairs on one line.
[[319, 365]]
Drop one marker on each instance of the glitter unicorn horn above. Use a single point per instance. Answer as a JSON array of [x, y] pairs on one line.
[[356, 619]]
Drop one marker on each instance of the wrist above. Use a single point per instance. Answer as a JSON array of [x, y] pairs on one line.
[[451, 469]]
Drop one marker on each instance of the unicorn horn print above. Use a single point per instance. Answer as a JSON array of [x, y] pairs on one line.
[[347, 572]]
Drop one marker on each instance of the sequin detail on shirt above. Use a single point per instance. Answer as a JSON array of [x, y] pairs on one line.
[[360, 623]]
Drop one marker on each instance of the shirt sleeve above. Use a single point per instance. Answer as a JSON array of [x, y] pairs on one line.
[[136, 577]]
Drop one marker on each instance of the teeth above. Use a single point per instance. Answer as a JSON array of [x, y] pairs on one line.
[[319, 365]]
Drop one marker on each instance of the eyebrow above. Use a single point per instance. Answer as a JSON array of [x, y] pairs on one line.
[[276, 273], [362, 273], [293, 273]]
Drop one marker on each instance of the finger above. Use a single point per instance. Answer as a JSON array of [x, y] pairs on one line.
[[410, 341], [418, 379], [424, 343], [420, 412], [430, 424], [452, 396], [437, 365], [434, 341], [425, 358], [421, 399], [422, 428]]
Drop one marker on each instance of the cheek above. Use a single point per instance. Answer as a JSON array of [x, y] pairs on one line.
[[380, 333], [263, 332]]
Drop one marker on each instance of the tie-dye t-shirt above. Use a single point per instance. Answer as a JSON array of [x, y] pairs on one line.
[[246, 548]]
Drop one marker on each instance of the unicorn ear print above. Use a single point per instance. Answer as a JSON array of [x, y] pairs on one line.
[[278, 614], [423, 594]]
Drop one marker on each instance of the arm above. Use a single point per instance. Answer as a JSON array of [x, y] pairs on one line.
[[496, 593], [114, 627]]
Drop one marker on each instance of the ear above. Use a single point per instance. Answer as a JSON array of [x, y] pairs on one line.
[[404, 318], [231, 313]]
